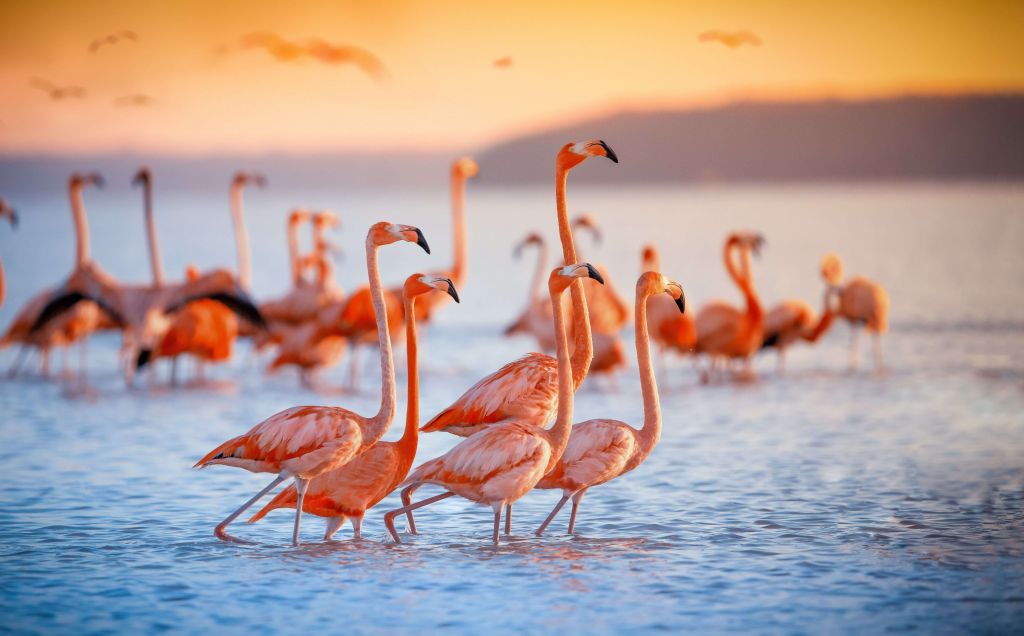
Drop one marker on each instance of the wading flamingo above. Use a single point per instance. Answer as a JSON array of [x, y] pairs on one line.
[[608, 311], [601, 450], [7, 212], [463, 169], [503, 462], [78, 322], [535, 319], [348, 492], [794, 320], [526, 390], [306, 441], [863, 303], [724, 331], [669, 330]]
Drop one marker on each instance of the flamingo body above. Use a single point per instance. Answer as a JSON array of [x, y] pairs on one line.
[[866, 302]]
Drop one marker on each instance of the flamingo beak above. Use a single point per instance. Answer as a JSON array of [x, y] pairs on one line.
[[144, 357], [593, 273], [452, 291], [421, 240], [681, 301], [608, 152]]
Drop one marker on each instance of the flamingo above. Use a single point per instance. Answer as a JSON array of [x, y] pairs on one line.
[[281, 309], [6, 211], [306, 441], [462, 170], [77, 323], [535, 318], [601, 450], [670, 330], [526, 389], [793, 320], [501, 463], [863, 303], [608, 312], [349, 491], [724, 331]]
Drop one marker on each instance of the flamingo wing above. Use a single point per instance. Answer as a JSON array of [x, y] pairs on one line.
[[526, 390], [598, 451]]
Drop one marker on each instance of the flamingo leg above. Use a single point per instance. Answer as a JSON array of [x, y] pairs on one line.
[[353, 367], [300, 488], [46, 362], [221, 530], [497, 521], [389, 517], [575, 507], [853, 346], [357, 527], [13, 371], [333, 525], [508, 519], [879, 365], [406, 500], [782, 361], [551, 515], [174, 371]]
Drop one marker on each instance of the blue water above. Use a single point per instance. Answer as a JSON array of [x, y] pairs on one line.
[[822, 501]]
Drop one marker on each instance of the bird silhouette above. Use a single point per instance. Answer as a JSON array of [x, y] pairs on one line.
[[111, 39], [503, 62], [731, 39], [57, 92]]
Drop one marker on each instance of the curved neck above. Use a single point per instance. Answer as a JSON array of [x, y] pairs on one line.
[[293, 253], [241, 236], [412, 403], [382, 420], [83, 254], [651, 431], [155, 262], [824, 321], [583, 351], [461, 256], [558, 434], [324, 266], [742, 278], [538, 274]]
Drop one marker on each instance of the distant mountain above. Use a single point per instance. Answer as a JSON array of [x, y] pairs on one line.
[[977, 137], [958, 137]]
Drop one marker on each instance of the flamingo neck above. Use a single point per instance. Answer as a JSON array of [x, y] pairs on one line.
[[583, 351], [293, 254], [83, 254], [824, 321], [651, 431], [412, 404], [742, 278], [538, 273], [461, 256], [382, 420], [241, 236], [155, 261], [558, 434]]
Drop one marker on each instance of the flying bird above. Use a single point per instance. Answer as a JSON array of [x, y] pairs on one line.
[[55, 92], [731, 39], [503, 62], [140, 100], [284, 50], [111, 39]]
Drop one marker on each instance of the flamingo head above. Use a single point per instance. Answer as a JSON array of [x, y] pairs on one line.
[[419, 284], [242, 179], [587, 222], [651, 282], [79, 180], [650, 258], [533, 238], [465, 168], [832, 269], [752, 241], [142, 177], [573, 154], [191, 272], [562, 277], [384, 233], [298, 216], [325, 219], [6, 211]]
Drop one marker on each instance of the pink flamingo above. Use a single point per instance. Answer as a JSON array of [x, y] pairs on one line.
[[349, 491], [793, 320], [503, 462], [863, 303], [306, 441], [670, 330], [6, 211], [601, 450]]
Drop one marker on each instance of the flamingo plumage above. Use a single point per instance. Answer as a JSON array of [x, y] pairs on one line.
[[794, 320], [669, 329], [348, 492], [9, 213], [499, 464], [863, 303], [526, 389], [306, 441], [723, 330], [600, 450]]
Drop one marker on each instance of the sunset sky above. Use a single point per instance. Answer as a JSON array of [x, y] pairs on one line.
[[569, 59]]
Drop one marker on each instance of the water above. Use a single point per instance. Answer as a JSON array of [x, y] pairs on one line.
[[822, 501]]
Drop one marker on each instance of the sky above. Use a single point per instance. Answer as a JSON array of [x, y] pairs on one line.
[[208, 93]]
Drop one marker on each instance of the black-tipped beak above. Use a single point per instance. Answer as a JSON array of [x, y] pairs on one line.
[[681, 302], [593, 273], [144, 357], [609, 152], [421, 241], [452, 291]]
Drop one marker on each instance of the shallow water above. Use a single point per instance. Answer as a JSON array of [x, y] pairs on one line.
[[821, 501]]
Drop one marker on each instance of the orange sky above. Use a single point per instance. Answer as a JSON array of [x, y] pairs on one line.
[[570, 59]]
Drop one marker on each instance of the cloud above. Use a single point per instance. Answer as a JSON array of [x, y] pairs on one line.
[[317, 49]]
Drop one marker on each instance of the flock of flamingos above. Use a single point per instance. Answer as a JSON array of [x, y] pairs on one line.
[[338, 465]]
